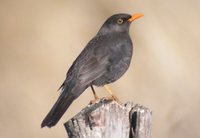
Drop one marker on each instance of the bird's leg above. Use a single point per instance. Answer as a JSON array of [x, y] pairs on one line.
[[113, 97], [95, 95]]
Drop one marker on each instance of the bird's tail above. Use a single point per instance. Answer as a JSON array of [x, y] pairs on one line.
[[59, 108]]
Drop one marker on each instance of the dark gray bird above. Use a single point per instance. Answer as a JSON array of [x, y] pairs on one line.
[[104, 60]]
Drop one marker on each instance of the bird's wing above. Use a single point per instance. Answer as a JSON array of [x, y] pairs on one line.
[[94, 67]]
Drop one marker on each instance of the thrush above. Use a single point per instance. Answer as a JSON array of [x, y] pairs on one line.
[[104, 60]]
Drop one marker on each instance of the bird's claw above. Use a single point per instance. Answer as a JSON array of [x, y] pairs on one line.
[[94, 101], [113, 98]]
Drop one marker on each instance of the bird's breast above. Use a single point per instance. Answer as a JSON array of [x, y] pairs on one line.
[[119, 51]]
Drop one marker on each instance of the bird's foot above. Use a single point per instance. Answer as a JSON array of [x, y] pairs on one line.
[[95, 100], [113, 98]]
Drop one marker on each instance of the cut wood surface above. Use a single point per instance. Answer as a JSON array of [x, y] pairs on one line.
[[109, 119]]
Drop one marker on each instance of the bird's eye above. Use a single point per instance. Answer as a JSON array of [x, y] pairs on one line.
[[120, 21]]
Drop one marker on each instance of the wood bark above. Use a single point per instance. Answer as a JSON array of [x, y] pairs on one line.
[[109, 119]]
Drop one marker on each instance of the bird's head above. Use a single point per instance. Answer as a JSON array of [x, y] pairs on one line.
[[118, 23]]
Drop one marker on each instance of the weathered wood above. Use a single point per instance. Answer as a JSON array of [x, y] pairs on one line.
[[109, 119]]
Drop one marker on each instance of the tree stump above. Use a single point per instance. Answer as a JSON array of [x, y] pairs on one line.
[[109, 119]]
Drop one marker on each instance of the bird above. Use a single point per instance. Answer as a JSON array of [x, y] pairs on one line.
[[104, 60]]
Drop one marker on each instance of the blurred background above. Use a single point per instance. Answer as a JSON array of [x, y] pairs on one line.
[[39, 40]]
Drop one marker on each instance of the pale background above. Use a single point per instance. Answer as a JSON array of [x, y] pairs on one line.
[[39, 40]]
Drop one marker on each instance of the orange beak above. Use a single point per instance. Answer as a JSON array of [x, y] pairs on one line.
[[135, 16]]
